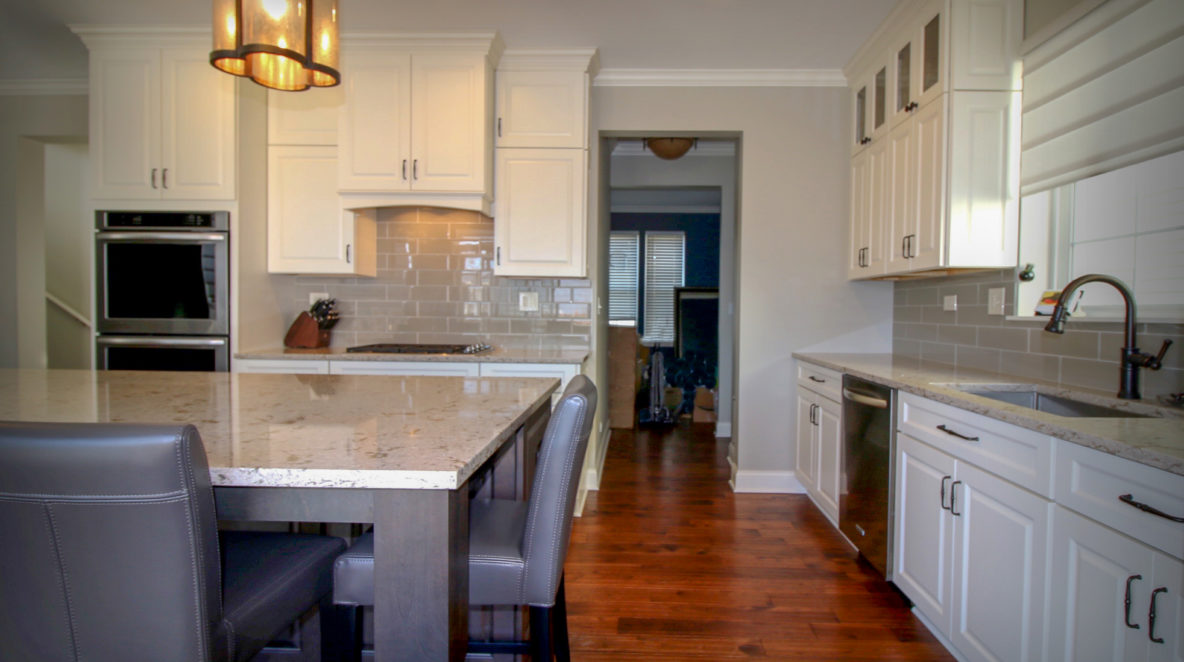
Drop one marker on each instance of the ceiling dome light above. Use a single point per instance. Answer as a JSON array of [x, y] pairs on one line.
[[282, 44], [670, 148]]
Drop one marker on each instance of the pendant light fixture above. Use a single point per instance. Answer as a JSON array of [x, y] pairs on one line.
[[282, 44], [670, 148]]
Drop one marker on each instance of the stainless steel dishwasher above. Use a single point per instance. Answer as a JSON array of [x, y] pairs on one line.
[[866, 472]]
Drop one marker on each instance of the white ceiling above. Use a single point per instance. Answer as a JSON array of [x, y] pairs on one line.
[[631, 34]]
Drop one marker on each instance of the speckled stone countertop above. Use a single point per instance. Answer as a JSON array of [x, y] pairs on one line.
[[495, 355], [1156, 442], [300, 430]]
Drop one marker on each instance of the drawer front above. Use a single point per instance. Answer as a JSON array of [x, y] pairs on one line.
[[1022, 456], [1091, 482], [281, 366], [420, 368], [823, 381]]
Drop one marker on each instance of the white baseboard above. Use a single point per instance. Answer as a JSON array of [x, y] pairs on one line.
[[590, 481], [766, 482], [723, 429]]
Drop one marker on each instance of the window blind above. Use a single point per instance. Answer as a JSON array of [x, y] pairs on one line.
[[1104, 93], [663, 273], [622, 278]]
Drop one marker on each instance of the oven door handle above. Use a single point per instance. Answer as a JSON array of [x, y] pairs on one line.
[[157, 341], [176, 237], [865, 399]]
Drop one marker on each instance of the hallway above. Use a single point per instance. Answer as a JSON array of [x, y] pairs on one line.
[[668, 563]]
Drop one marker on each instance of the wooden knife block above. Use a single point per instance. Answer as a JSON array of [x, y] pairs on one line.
[[305, 334]]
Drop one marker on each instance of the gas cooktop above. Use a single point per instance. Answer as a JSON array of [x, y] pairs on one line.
[[415, 348]]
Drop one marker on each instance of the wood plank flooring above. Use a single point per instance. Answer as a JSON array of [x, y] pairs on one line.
[[667, 563]]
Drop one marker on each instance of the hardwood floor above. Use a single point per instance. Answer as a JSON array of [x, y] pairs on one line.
[[667, 563]]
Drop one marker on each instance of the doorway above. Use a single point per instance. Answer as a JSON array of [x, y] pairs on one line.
[[691, 199]]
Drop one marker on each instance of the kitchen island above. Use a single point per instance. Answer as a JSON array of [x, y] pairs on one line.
[[395, 451]]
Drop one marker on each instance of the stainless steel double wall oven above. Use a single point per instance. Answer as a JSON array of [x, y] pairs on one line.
[[163, 299]]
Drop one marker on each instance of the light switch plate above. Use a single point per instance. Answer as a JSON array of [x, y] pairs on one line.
[[528, 301], [995, 299], [314, 296], [949, 302]]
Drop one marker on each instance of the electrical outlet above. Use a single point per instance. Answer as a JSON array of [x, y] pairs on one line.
[[528, 301], [950, 302], [995, 298], [314, 296]]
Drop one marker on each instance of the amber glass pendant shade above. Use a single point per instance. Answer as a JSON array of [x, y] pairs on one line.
[[281, 44], [669, 148]]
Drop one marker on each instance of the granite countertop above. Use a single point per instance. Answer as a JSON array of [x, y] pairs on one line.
[[495, 355], [1156, 442], [300, 430]]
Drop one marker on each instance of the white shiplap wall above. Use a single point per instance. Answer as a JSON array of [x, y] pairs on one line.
[[1105, 93]]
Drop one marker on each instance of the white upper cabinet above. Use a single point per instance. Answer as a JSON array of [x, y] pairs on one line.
[[541, 172], [304, 118], [542, 101], [308, 232], [540, 227], [938, 84], [416, 124], [162, 120]]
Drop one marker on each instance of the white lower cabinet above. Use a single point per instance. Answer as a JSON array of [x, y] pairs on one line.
[[819, 438], [971, 552], [1105, 587]]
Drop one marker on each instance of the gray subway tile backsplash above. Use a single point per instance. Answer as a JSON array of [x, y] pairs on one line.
[[435, 283], [1086, 356]]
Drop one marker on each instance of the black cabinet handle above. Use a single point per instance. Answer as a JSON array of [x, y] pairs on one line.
[[815, 379], [404, 169], [904, 246], [499, 127], [1130, 501], [865, 141], [499, 255], [415, 169], [948, 431], [943, 494], [154, 178], [164, 178], [1126, 601], [347, 259], [1151, 616], [954, 495]]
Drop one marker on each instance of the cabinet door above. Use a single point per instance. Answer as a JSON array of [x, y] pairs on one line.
[[878, 210], [542, 109], [902, 96], [125, 123], [307, 231], [984, 49], [1000, 544], [539, 228], [829, 451], [858, 245], [1169, 610], [929, 186], [932, 46], [450, 104], [924, 531], [374, 127], [901, 222], [1095, 570], [304, 119], [983, 222], [807, 442], [197, 159], [860, 107], [880, 107]]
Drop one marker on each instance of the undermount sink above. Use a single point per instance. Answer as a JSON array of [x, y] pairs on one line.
[[1058, 405]]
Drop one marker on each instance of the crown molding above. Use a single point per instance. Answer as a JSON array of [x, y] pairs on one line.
[[45, 87], [720, 78], [553, 59]]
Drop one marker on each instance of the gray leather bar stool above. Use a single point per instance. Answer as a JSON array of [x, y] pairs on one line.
[[516, 548], [110, 552]]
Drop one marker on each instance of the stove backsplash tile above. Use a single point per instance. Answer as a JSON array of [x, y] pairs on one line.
[[435, 284]]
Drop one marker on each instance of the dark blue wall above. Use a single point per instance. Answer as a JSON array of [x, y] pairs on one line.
[[701, 259]]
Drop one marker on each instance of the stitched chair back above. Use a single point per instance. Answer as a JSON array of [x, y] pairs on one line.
[[108, 544], [553, 494]]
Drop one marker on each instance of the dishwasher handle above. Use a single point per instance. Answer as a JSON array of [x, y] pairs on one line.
[[865, 399]]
